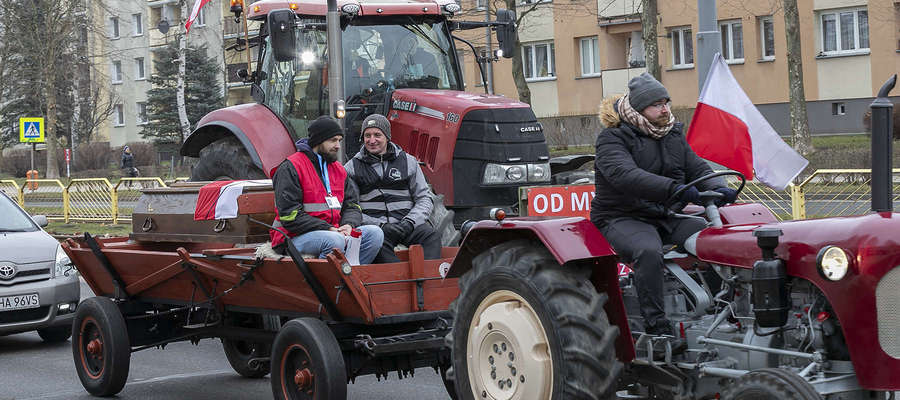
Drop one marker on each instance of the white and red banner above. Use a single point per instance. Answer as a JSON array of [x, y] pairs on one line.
[[729, 130], [195, 12], [218, 200], [560, 201]]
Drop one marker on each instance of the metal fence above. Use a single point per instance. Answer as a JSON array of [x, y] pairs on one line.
[[128, 191]]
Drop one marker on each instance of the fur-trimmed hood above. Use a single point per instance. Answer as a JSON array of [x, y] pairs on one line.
[[609, 116]]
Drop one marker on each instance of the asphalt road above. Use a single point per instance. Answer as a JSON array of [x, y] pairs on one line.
[[31, 369]]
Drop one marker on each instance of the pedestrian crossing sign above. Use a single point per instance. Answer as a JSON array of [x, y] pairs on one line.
[[31, 130]]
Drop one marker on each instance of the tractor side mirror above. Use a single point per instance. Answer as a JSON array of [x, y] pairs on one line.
[[281, 25], [507, 33]]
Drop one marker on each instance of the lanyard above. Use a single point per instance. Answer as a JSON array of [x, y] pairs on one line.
[[325, 174]]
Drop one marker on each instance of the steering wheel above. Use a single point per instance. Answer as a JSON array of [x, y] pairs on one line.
[[672, 202]]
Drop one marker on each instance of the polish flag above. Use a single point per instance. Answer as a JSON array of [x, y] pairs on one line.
[[195, 12], [728, 129], [218, 200]]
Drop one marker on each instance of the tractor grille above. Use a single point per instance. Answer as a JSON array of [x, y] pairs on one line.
[[887, 301]]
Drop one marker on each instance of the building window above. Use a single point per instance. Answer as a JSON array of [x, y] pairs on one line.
[[534, 1], [682, 48], [114, 27], [539, 61], [117, 72], [590, 57], [201, 16], [137, 20], [767, 38], [480, 5], [142, 113], [845, 31], [118, 115], [732, 33], [838, 109], [139, 69]]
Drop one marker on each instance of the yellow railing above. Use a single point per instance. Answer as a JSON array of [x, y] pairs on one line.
[[45, 197], [11, 189], [127, 193], [91, 199]]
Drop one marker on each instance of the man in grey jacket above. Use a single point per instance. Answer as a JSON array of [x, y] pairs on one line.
[[393, 192]]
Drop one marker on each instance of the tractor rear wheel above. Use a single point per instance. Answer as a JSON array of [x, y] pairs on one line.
[[100, 346], [527, 328], [770, 384], [307, 362], [225, 159]]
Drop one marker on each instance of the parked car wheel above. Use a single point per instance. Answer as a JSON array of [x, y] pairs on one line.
[[770, 384], [55, 334], [527, 328], [307, 362], [100, 346]]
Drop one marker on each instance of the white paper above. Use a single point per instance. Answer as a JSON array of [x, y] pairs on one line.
[[351, 249]]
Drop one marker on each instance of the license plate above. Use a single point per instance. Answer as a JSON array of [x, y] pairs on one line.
[[19, 302]]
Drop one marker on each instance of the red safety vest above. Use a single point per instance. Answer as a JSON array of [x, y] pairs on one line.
[[314, 194]]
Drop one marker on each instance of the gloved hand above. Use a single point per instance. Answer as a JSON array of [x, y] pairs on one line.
[[690, 195], [407, 226], [729, 196], [397, 231]]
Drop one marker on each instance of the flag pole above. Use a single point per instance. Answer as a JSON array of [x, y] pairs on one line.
[[247, 40]]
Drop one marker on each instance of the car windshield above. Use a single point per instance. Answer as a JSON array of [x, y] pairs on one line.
[[379, 54], [14, 219]]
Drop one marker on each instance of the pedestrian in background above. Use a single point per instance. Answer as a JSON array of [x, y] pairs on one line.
[[128, 162]]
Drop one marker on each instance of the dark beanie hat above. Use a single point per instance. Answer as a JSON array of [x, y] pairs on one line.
[[322, 129], [377, 121], [644, 90]]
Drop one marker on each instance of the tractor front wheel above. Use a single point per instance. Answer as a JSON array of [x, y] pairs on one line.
[[225, 159], [770, 384], [307, 362], [527, 328]]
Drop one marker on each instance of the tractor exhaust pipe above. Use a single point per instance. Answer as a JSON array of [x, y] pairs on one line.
[[882, 148]]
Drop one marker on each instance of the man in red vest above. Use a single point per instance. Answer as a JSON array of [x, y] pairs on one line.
[[315, 204]]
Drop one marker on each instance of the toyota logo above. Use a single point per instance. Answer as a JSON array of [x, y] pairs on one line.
[[7, 271]]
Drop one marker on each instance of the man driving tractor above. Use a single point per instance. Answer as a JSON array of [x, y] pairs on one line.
[[642, 164]]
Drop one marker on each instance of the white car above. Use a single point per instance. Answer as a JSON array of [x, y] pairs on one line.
[[39, 288]]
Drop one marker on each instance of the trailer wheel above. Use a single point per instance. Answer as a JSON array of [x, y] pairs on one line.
[[56, 334], [307, 362], [225, 159], [242, 354], [770, 384], [100, 346], [527, 328]]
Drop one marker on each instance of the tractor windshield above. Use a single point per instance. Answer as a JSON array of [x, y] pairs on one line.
[[380, 54]]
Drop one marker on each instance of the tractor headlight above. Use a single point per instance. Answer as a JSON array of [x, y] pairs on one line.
[[503, 174], [539, 172], [833, 263]]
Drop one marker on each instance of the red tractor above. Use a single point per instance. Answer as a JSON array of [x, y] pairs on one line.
[[770, 310], [398, 59]]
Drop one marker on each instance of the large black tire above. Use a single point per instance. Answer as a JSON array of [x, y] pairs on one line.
[[240, 353], [225, 159], [518, 298], [100, 346], [770, 384], [307, 362], [56, 334]]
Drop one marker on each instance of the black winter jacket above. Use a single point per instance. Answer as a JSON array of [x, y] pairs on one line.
[[635, 174], [289, 197]]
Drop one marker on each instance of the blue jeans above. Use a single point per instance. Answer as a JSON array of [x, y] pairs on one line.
[[322, 242]]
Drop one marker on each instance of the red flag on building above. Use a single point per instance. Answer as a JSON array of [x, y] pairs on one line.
[[729, 130], [195, 12]]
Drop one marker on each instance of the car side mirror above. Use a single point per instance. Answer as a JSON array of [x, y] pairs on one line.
[[507, 34], [281, 24], [41, 220]]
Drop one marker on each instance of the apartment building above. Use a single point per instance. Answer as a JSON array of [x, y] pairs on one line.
[[849, 48], [132, 34], [237, 91]]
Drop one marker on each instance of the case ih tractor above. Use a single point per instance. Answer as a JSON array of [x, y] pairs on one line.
[[398, 59], [802, 310]]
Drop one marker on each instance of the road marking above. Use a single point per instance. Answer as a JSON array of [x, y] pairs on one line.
[[73, 393]]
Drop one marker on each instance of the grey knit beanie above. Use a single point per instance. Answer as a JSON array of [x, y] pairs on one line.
[[644, 90], [377, 121]]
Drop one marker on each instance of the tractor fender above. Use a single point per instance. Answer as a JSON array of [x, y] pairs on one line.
[[263, 135], [572, 241], [569, 163]]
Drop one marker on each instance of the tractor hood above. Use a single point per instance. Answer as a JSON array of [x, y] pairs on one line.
[[447, 105], [864, 300]]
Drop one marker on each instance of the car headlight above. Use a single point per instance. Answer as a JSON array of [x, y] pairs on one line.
[[63, 264], [833, 263], [539, 172]]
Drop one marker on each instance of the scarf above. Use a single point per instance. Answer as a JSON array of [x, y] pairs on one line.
[[633, 117]]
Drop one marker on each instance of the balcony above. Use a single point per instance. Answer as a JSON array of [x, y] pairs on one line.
[[615, 81]]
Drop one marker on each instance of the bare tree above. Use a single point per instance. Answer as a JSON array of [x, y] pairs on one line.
[[800, 138], [179, 88], [649, 24]]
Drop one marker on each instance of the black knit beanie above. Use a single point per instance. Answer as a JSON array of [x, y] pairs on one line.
[[644, 90], [322, 129]]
